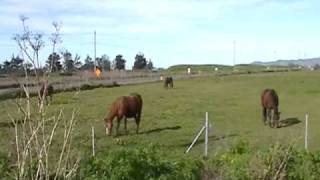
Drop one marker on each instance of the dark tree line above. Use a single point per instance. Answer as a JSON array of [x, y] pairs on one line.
[[15, 64], [142, 63], [65, 61]]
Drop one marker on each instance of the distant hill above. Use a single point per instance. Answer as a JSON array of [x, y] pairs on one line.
[[213, 67], [300, 62]]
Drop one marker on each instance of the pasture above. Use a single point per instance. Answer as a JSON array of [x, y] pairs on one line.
[[172, 117]]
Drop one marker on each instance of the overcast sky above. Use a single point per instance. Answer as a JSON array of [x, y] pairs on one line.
[[171, 31]]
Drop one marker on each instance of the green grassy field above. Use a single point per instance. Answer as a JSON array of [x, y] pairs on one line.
[[171, 118]]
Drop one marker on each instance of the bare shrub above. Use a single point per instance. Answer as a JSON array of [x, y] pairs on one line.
[[34, 130]]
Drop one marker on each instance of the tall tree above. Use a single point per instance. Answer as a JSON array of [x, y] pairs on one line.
[[88, 63], [77, 62], [140, 61], [68, 62], [6, 66], [53, 62], [104, 62], [16, 63], [150, 65], [120, 63]]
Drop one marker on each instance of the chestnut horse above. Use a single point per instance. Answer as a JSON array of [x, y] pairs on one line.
[[168, 82], [124, 107], [270, 103], [46, 90]]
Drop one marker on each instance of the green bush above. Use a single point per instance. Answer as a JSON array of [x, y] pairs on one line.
[[5, 170], [141, 163], [304, 165], [233, 163], [277, 162]]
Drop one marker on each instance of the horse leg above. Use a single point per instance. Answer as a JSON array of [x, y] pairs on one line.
[[272, 119], [137, 118], [125, 125], [275, 121], [269, 117], [264, 116]]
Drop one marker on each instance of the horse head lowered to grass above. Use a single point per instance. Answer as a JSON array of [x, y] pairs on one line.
[[124, 107]]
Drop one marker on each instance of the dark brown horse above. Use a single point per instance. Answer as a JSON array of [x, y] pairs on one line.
[[270, 112], [124, 107], [46, 90], [168, 82]]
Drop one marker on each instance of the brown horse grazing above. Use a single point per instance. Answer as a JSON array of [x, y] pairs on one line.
[[168, 82], [270, 103], [124, 107], [46, 90]]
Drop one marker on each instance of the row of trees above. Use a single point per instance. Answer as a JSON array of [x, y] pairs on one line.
[[65, 61]]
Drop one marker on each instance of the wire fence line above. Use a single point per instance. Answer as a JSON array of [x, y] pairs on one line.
[[112, 78], [88, 78]]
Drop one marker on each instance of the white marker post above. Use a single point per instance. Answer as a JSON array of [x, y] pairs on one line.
[[306, 133], [206, 136], [93, 147]]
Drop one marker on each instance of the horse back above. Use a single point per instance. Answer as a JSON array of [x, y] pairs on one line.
[[134, 104], [269, 99], [127, 106]]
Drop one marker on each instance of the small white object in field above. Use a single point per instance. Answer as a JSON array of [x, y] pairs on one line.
[[216, 69], [189, 70]]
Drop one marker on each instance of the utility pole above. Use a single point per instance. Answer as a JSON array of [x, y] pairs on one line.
[[95, 51]]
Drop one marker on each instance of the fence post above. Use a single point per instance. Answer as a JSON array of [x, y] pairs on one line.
[[206, 136], [93, 144], [306, 133]]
